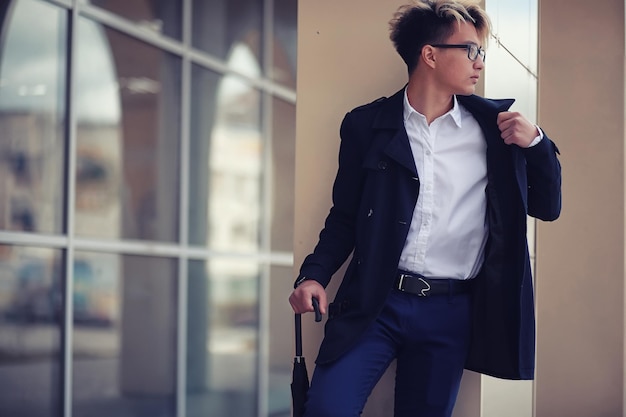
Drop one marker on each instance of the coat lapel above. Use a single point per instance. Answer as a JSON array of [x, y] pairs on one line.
[[390, 124], [486, 112], [500, 156]]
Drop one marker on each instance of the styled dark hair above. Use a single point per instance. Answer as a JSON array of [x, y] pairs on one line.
[[431, 21]]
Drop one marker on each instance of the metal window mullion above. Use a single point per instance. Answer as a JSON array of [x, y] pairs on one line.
[[63, 3], [500, 44], [262, 83], [183, 264], [27, 239], [266, 227], [132, 29], [129, 247], [68, 325]]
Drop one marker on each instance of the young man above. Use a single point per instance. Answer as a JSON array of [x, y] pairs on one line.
[[431, 198]]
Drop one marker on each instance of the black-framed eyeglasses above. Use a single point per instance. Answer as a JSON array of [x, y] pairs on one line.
[[473, 50]]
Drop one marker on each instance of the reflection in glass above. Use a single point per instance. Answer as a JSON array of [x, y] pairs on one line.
[[285, 42], [220, 25], [30, 331], [124, 341], [515, 24], [128, 114], [32, 111], [161, 16], [504, 68], [283, 168], [226, 158], [222, 338], [281, 341]]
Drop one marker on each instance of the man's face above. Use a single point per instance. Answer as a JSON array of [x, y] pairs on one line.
[[455, 72]]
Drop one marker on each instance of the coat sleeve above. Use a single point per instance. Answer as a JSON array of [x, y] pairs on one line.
[[544, 180], [337, 238]]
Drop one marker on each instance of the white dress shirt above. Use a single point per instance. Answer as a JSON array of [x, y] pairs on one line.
[[448, 230]]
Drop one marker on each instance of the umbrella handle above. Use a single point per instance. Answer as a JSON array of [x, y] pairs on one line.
[[316, 307], [298, 334], [298, 322]]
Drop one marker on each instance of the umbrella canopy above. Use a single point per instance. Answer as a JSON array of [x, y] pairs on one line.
[[300, 377]]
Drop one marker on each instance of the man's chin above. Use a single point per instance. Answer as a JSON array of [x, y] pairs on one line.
[[467, 91]]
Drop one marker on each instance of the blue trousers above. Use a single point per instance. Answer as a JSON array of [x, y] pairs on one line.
[[429, 338]]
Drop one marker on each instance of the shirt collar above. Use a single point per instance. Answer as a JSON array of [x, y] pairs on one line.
[[455, 111]]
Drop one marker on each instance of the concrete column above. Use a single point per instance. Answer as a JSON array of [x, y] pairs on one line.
[[580, 258]]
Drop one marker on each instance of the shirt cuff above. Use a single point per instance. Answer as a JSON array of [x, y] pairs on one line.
[[538, 138]]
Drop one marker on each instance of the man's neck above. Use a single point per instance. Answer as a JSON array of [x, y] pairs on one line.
[[427, 100]]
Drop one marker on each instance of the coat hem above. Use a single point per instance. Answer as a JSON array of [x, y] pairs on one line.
[[524, 374]]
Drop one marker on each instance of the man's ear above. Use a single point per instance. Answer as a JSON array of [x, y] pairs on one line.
[[428, 55]]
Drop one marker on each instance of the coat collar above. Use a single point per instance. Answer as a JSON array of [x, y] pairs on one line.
[[391, 112], [476, 104], [485, 111], [390, 119]]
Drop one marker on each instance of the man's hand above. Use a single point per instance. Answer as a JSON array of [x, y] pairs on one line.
[[516, 129], [301, 299]]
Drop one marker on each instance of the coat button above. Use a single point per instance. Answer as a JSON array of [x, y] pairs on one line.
[[382, 165]]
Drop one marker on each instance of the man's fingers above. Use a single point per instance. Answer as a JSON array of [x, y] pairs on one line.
[[507, 119], [505, 116], [301, 299], [323, 303], [516, 129]]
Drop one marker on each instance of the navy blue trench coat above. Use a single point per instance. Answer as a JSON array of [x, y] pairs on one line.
[[374, 194]]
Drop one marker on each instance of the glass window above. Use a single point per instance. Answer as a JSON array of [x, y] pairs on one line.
[[161, 16], [285, 42], [226, 160], [128, 112], [32, 114], [515, 23], [125, 110], [30, 331], [222, 342], [218, 26], [124, 342], [501, 69]]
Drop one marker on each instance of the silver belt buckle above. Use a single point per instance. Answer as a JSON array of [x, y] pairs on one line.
[[401, 281], [423, 291]]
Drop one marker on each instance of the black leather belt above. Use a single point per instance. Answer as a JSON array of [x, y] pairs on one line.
[[426, 287]]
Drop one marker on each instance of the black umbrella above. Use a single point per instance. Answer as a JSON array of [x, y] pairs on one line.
[[300, 378]]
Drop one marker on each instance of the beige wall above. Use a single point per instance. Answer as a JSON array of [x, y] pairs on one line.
[[345, 59], [580, 258]]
